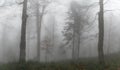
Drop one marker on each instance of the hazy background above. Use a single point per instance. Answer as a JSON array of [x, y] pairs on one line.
[[10, 23]]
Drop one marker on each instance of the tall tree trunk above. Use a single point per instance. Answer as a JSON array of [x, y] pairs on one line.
[[109, 36], [76, 36], [76, 41], [38, 31], [53, 34], [73, 42], [76, 31], [101, 34], [39, 17], [23, 33]]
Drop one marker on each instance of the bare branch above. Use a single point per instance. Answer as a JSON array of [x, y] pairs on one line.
[[110, 10], [92, 5], [91, 23]]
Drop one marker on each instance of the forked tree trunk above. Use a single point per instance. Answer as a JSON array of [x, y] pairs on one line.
[[22, 57], [39, 16]]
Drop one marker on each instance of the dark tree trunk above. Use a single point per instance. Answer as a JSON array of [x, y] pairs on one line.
[[101, 34], [23, 33]]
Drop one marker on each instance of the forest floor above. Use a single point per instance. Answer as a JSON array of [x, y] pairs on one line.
[[112, 63]]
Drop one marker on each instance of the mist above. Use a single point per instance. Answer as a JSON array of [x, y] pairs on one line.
[[47, 31]]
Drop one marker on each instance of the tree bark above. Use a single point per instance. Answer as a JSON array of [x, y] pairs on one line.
[[23, 33], [101, 34]]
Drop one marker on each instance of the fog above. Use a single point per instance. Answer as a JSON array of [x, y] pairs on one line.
[[52, 27]]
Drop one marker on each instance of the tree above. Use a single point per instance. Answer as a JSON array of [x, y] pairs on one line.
[[39, 20], [76, 30], [47, 46], [23, 33], [49, 42], [73, 28], [39, 17], [101, 33]]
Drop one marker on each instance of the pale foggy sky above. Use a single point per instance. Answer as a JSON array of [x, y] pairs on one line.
[[11, 15], [57, 8]]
